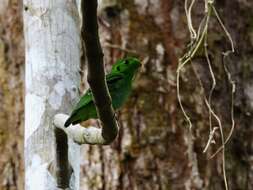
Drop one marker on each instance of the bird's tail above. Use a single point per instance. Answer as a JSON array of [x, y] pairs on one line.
[[73, 119], [68, 122]]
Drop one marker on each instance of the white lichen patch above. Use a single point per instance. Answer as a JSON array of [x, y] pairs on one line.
[[160, 49], [71, 87], [37, 176], [59, 88], [3, 6], [125, 29], [142, 5], [151, 7], [175, 19], [160, 54], [154, 8], [126, 139], [249, 93], [55, 97], [36, 105]]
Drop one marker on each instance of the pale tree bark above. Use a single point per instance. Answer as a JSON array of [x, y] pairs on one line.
[[53, 49]]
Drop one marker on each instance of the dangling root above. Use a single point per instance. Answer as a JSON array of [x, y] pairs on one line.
[[197, 39]]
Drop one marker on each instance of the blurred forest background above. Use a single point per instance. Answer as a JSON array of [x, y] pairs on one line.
[[154, 149]]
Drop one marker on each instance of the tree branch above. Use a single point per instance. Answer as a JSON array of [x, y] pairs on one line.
[[79, 134], [96, 73], [63, 169]]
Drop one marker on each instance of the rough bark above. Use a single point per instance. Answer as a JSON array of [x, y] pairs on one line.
[[11, 95], [52, 42]]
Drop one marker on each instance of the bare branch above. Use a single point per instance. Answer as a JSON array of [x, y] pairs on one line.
[[79, 134], [96, 73]]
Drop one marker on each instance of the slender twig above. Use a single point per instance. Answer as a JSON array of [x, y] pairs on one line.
[[96, 72], [233, 86], [224, 29], [225, 54], [196, 41], [118, 47], [188, 11], [188, 58], [223, 142], [210, 140]]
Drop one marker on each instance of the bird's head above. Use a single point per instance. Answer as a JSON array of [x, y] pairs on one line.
[[128, 65]]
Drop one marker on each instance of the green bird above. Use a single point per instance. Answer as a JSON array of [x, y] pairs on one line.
[[119, 82]]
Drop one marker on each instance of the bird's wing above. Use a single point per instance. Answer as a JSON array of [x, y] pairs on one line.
[[85, 99], [111, 80]]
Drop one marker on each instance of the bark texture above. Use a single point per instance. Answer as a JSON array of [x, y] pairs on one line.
[[11, 95], [153, 149], [52, 39]]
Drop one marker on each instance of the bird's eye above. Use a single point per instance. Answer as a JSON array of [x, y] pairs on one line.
[[118, 69], [126, 62]]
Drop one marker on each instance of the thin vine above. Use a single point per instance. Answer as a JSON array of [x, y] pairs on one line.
[[197, 39]]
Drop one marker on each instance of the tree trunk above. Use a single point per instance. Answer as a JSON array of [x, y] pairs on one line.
[[11, 95], [52, 79]]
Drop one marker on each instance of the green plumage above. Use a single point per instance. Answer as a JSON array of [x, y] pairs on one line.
[[119, 82]]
